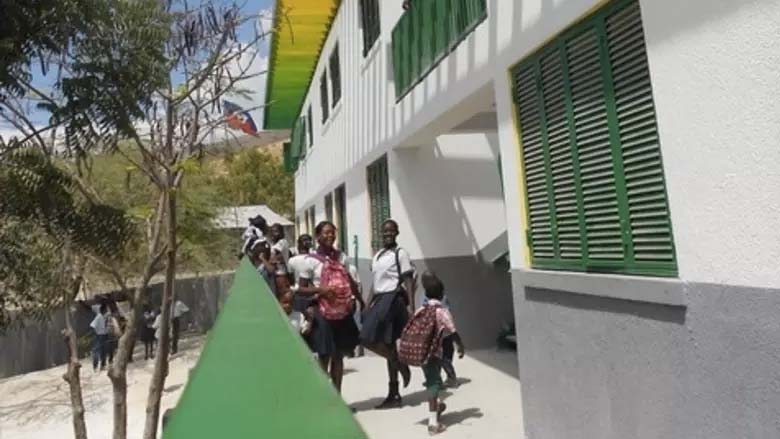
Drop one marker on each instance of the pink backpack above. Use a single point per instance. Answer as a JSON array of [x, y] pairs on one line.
[[335, 276]]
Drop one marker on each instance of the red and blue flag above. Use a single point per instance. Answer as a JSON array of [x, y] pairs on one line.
[[238, 119]]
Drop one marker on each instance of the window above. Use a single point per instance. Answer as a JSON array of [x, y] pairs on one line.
[[324, 96], [310, 124], [369, 18], [596, 195], [341, 217], [297, 225], [379, 199], [329, 207], [335, 75]]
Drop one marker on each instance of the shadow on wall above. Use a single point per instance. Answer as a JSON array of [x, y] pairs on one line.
[[452, 197], [652, 311]]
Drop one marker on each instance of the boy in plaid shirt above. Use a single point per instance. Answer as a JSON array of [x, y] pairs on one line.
[[434, 292]]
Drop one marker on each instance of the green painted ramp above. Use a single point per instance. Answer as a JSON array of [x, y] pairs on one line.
[[257, 379]]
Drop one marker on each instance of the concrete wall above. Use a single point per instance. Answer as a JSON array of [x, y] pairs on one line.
[[40, 346], [598, 367], [593, 367]]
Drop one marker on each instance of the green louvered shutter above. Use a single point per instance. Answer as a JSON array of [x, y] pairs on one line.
[[302, 122], [540, 232], [594, 150], [564, 186], [379, 199], [324, 96], [648, 209], [596, 196]]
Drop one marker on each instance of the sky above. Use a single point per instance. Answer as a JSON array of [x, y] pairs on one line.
[[263, 8]]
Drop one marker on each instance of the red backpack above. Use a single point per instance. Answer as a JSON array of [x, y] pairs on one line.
[[335, 276], [420, 337]]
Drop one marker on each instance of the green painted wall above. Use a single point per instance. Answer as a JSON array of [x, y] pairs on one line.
[[257, 379]]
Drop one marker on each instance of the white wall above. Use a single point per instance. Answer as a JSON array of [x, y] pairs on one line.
[[447, 196], [714, 66]]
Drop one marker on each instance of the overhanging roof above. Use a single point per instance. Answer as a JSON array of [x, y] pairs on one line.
[[300, 28]]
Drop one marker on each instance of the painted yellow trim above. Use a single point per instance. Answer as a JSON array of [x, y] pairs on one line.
[[522, 195]]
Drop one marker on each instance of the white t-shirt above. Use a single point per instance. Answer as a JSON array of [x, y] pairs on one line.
[[295, 265], [100, 324], [311, 269], [283, 247], [385, 269], [179, 308]]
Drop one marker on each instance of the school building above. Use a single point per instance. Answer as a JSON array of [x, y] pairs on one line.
[[604, 174]]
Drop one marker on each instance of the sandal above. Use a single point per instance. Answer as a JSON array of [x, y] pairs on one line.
[[432, 431]]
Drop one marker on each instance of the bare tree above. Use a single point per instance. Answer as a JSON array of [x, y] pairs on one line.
[[205, 51]]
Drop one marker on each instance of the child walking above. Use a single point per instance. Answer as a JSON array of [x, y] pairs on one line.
[[421, 345]]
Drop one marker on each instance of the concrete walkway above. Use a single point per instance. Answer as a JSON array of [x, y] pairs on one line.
[[37, 405], [487, 405]]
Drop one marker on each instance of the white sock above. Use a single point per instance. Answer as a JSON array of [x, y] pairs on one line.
[[433, 419]]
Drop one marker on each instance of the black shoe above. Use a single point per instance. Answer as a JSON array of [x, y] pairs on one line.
[[391, 402]]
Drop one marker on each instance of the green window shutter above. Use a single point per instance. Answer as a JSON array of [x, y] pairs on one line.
[[324, 96], [369, 14], [288, 160], [302, 136], [441, 23], [648, 208], [379, 199], [596, 196], [335, 75], [561, 165], [539, 201], [341, 217], [310, 125]]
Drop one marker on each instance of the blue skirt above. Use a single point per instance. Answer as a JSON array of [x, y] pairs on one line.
[[385, 319]]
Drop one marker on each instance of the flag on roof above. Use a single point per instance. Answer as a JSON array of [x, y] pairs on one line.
[[238, 119]]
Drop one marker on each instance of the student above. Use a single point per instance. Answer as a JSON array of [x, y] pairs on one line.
[[99, 344], [259, 253], [300, 321], [325, 278], [391, 301], [114, 333], [179, 309], [448, 350], [279, 245], [431, 319], [157, 325], [296, 263], [147, 332]]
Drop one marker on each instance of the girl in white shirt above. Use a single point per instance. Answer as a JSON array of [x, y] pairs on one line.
[[391, 303], [330, 339]]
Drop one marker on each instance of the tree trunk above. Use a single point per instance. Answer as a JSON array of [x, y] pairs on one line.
[[161, 360], [73, 378], [118, 371]]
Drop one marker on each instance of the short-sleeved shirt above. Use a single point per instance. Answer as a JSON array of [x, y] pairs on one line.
[[100, 324], [283, 248], [385, 269], [311, 268], [444, 323]]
